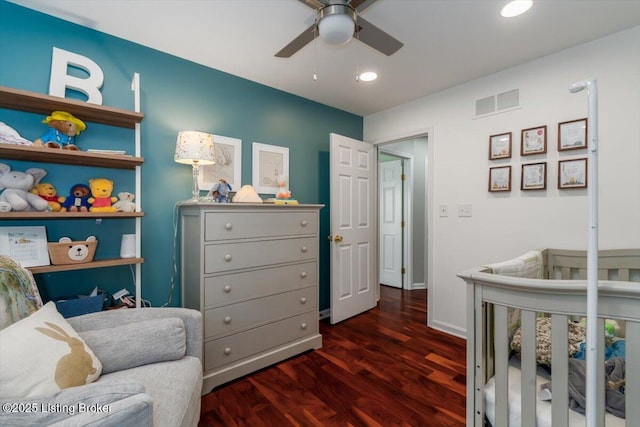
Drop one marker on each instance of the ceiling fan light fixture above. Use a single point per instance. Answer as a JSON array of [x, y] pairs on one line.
[[336, 23], [516, 8]]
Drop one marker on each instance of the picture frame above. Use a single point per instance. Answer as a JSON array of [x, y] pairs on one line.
[[534, 176], [500, 179], [228, 157], [500, 146], [572, 135], [26, 245], [572, 173], [533, 141], [269, 162]]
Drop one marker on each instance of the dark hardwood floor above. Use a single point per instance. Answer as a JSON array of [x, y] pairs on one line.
[[380, 368]]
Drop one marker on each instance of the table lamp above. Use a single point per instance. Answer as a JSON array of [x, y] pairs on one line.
[[194, 148]]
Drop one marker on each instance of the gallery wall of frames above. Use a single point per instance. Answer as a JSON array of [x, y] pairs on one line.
[[533, 143]]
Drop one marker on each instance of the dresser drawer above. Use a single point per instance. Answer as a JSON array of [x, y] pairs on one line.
[[230, 349], [233, 318], [240, 225], [231, 256], [226, 289]]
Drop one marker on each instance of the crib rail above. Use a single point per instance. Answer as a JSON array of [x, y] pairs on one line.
[[489, 300]]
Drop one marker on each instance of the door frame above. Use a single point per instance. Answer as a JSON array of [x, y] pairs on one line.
[[425, 132], [407, 206]]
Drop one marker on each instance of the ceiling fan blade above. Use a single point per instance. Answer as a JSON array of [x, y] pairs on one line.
[[360, 5], [376, 38], [298, 43], [314, 4]]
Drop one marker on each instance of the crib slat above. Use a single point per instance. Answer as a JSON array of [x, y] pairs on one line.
[[632, 372], [601, 378], [528, 385], [559, 370], [501, 340], [623, 274]]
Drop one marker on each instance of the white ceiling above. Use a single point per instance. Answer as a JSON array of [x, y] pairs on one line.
[[446, 42]]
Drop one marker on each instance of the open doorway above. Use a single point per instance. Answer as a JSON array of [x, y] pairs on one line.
[[402, 204]]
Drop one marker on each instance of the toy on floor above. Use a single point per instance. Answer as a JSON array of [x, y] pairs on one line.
[[64, 128]]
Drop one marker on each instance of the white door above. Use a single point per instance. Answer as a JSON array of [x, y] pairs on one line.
[[353, 227], [390, 220]]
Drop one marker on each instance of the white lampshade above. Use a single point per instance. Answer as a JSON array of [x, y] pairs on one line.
[[336, 29], [194, 147]]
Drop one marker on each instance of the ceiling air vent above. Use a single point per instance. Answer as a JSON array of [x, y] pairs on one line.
[[497, 103]]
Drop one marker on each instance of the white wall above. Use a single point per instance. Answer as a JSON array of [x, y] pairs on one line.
[[506, 225]]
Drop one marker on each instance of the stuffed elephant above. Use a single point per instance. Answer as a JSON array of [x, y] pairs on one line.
[[16, 186]]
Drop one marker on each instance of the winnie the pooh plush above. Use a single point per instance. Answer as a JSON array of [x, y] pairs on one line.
[[64, 129], [78, 199], [101, 199], [49, 193]]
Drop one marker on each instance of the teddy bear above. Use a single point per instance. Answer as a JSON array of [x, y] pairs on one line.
[[64, 128], [125, 202], [78, 199], [17, 187], [101, 199], [49, 193]]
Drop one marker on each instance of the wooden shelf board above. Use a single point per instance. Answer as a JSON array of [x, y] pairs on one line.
[[16, 99], [86, 265], [67, 157], [69, 215]]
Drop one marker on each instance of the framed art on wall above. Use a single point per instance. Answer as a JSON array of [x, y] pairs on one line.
[[26, 245], [500, 179], [533, 141], [500, 146], [534, 176], [572, 173], [269, 162], [228, 157], [572, 135]]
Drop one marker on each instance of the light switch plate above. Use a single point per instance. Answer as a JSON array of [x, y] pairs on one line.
[[464, 210], [444, 211]]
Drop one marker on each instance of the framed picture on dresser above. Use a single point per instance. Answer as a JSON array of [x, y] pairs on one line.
[[228, 156]]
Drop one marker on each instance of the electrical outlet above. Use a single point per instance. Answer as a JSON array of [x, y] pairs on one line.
[[444, 211], [464, 210]]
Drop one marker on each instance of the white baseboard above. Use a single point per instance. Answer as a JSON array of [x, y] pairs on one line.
[[419, 286], [326, 313], [449, 329]]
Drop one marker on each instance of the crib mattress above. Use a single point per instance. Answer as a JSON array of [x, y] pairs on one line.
[[543, 408]]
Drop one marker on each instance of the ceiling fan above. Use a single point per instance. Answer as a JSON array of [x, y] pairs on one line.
[[337, 21]]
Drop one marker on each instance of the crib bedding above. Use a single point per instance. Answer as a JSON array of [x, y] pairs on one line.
[[503, 296], [543, 407]]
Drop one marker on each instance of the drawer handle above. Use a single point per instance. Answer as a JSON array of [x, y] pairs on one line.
[[227, 257], [303, 274], [227, 289], [303, 300], [227, 320], [303, 223], [227, 351], [228, 226], [303, 326], [304, 249]]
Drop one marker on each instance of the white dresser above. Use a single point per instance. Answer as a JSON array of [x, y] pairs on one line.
[[252, 270]]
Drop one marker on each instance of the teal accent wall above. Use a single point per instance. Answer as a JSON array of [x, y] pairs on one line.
[[175, 95]]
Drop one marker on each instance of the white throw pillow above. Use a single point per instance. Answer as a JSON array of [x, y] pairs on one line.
[[42, 354]]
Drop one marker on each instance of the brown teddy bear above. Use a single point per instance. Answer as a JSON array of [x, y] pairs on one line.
[[78, 199], [64, 128]]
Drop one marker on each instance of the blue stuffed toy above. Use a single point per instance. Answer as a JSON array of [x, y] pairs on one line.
[[78, 200], [220, 191]]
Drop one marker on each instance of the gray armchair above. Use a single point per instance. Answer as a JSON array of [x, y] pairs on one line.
[[151, 371]]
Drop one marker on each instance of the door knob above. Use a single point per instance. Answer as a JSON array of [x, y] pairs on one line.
[[338, 238]]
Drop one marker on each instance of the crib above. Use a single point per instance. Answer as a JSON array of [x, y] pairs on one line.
[[503, 390]]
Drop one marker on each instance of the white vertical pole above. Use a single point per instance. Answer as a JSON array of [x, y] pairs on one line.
[[592, 253], [135, 87]]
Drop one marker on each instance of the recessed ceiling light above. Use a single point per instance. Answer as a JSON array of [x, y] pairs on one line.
[[515, 8], [367, 76]]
